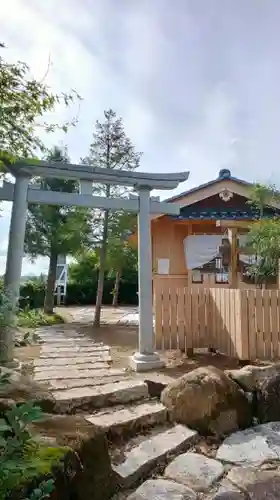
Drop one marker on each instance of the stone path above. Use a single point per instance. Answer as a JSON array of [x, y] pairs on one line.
[[160, 455]]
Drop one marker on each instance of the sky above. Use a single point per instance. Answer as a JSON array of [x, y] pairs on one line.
[[197, 82]]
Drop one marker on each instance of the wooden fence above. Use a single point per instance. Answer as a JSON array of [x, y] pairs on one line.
[[242, 323]]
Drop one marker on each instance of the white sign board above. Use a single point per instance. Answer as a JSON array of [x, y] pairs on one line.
[[163, 266]]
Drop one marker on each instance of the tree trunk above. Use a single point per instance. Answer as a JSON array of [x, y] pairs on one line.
[[116, 289], [100, 286], [49, 295]]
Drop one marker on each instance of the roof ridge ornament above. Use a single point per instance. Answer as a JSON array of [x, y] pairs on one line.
[[225, 195], [224, 173]]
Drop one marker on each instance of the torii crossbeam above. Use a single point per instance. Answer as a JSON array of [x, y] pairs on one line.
[[22, 193]]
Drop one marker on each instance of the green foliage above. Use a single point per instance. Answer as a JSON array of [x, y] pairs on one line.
[[263, 238], [262, 195], [24, 101], [110, 149], [33, 318], [6, 319], [264, 242], [23, 460], [57, 229], [85, 269]]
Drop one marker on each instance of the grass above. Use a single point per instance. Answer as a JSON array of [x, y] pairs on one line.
[[33, 318]]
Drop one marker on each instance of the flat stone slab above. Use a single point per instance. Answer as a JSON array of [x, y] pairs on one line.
[[162, 489], [69, 342], [77, 360], [55, 371], [81, 352], [141, 459], [71, 350], [130, 419], [196, 471], [252, 446], [100, 396], [101, 378], [68, 373], [257, 483]]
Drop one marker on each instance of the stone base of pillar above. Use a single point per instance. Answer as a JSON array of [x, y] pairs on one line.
[[146, 362]]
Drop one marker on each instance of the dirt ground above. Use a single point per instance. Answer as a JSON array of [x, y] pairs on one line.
[[123, 342]]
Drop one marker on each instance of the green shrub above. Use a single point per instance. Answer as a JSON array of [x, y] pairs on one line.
[[33, 318], [22, 459]]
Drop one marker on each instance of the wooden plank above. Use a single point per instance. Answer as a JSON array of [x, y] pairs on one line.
[[242, 224], [219, 321], [231, 322], [188, 319], [194, 316], [159, 318], [252, 324], [228, 305], [213, 324], [201, 317], [274, 324], [181, 319], [237, 328], [208, 319], [166, 318], [244, 333], [259, 325], [173, 339], [266, 322]]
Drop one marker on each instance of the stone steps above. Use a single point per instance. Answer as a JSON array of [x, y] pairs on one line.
[[100, 377], [153, 451], [72, 374], [44, 364], [87, 398], [128, 420]]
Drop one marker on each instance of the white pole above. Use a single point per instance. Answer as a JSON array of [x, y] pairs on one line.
[[146, 358], [14, 264]]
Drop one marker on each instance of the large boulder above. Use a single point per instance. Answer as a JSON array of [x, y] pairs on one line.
[[207, 400], [94, 479], [251, 377], [268, 400], [20, 388]]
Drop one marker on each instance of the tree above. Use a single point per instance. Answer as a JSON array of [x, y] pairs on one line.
[[120, 253], [111, 149], [263, 238], [56, 230], [85, 269], [23, 102]]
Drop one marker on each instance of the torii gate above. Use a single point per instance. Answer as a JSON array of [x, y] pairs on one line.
[[22, 193]]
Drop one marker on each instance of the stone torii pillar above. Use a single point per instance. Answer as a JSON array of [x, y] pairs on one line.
[[145, 359], [21, 193]]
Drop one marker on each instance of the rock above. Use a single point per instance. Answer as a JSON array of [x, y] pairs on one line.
[[162, 489], [228, 491], [22, 388], [252, 446], [140, 460], [195, 471], [207, 400], [96, 478], [251, 377], [268, 400], [257, 484]]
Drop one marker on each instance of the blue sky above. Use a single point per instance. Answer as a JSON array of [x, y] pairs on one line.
[[197, 82]]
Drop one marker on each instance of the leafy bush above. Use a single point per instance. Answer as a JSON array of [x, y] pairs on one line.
[[22, 459], [33, 318]]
